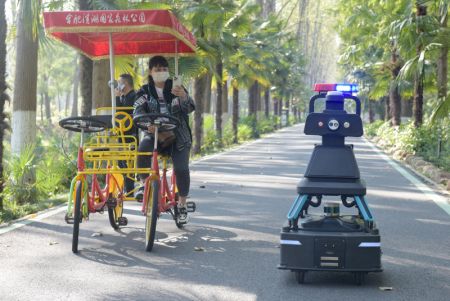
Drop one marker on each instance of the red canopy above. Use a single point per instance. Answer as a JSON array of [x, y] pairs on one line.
[[134, 32]]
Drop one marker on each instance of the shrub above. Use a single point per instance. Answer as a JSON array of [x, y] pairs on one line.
[[227, 138], [266, 125], [245, 132], [210, 141], [21, 186], [370, 129], [423, 141], [250, 122]]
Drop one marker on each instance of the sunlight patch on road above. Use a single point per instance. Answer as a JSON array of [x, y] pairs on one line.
[[399, 195], [433, 221]]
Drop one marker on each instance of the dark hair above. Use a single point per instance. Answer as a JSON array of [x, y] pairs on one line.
[[128, 78], [157, 61]]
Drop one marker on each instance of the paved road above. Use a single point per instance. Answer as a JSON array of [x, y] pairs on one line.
[[247, 194]]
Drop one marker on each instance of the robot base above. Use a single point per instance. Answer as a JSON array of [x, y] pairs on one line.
[[321, 244]]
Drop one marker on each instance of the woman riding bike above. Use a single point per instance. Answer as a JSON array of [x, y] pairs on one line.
[[160, 96]]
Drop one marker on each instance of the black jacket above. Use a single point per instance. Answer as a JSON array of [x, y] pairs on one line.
[[126, 100], [147, 102]]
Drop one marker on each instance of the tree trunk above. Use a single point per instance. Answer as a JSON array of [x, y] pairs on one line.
[[288, 108], [76, 82], [395, 103], [371, 112], [387, 110], [86, 67], [418, 100], [280, 110], [421, 10], [199, 97], [207, 104], [316, 37], [269, 6], [58, 100], [280, 106], [407, 107], [3, 96], [301, 20], [258, 97], [101, 92], [225, 97], [275, 106], [235, 113], [67, 104], [42, 107], [442, 64], [48, 112], [306, 39], [252, 99], [25, 86], [266, 102], [219, 71]]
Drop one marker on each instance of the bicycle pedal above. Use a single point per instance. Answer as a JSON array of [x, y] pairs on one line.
[[190, 206], [123, 221], [69, 220]]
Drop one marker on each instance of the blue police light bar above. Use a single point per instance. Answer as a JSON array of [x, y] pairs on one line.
[[349, 88]]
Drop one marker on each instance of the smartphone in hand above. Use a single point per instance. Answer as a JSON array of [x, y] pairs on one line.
[[177, 81]]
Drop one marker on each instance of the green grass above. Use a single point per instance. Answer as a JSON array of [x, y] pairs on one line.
[[14, 211]]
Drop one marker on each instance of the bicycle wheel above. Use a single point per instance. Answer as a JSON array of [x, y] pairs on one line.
[[77, 215], [151, 215]]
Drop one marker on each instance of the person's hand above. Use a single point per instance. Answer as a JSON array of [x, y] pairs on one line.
[[180, 92], [151, 129]]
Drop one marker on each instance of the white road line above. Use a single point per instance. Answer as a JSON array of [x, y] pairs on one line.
[[35, 217], [437, 199]]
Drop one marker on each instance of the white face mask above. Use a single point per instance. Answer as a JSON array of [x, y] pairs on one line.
[[121, 87], [161, 76]]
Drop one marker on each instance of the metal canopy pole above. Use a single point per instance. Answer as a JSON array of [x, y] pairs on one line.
[[111, 68], [176, 58]]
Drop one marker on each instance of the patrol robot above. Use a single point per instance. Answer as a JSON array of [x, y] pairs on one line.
[[331, 241]]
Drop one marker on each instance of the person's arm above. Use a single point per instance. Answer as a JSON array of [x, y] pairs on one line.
[[184, 103], [140, 105], [188, 105]]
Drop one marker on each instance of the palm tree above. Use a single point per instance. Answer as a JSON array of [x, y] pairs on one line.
[[442, 63], [421, 12], [86, 68], [3, 95], [25, 84], [199, 96], [209, 19]]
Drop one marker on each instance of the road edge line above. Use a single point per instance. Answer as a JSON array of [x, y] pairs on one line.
[[31, 218], [440, 201]]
